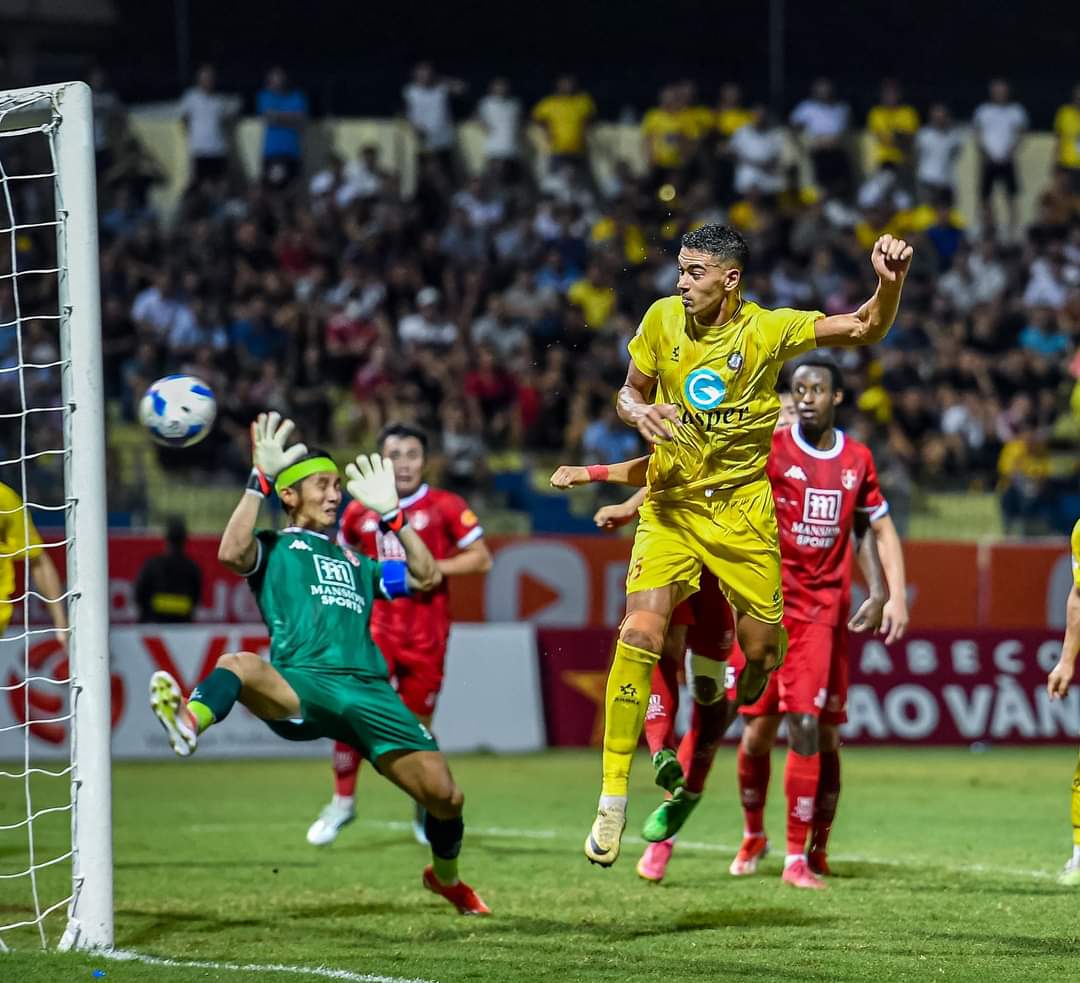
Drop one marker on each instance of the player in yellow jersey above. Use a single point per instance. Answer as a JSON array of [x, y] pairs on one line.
[[701, 387], [1057, 686], [20, 539]]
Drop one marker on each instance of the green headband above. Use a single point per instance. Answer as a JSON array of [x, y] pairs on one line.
[[301, 470]]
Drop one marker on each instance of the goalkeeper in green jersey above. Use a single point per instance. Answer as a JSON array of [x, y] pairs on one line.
[[326, 677]]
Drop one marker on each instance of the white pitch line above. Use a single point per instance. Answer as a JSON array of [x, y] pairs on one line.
[[324, 972], [503, 832]]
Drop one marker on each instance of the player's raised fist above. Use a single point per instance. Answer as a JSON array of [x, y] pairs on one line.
[[569, 475], [1057, 683], [891, 258]]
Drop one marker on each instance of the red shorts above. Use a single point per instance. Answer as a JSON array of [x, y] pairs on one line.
[[709, 620], [415, 672], [816, 662]]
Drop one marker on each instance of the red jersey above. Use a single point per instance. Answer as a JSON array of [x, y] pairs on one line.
[[447, 525], [817, 494]]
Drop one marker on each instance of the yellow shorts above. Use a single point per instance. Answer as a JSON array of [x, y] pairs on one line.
[[732, 532]]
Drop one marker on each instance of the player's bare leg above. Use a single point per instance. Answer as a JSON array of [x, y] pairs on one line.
[[828, 795], [755, 750], [641, 640], [800, 786], [425, 776], [242, 677]]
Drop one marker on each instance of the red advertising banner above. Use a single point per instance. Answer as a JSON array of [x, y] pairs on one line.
[[578, 582], [937, 687]]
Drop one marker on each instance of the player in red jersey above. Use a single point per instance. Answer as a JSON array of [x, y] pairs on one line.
[[411, 633], [825, 487]]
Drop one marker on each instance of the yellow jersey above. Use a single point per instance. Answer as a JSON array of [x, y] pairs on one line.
[[1076, 554], [666, 135], [595, 303], [885, 123], [723, 379], [564, 118], [18, 539], [727, 121], [1067, 130]]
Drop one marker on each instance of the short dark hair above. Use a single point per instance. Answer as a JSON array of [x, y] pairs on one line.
[[402, 430], [836, 377], [721, 241]]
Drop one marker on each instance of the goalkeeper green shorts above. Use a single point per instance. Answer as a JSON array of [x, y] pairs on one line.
[[362, 711]]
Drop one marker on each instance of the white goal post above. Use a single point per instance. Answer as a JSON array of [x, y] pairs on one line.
[[62, 114]]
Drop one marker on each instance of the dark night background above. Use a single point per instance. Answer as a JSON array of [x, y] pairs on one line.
[[352, 58]]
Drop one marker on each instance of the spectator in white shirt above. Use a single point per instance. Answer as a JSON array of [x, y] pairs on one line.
[[364, 177], [937, 147], [206, 115], [427, 326], [500, 115], [999, 127], [822, 122], [158, 310], [427, 108], [758, 148]]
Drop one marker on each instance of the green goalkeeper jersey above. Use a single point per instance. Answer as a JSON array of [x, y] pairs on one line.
[[316, 598]]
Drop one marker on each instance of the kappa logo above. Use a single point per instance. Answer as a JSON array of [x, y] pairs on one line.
[[848, 478], [299, 544], [795, 472]]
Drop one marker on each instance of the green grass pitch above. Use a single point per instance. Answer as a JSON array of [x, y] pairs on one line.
[[944, 863]]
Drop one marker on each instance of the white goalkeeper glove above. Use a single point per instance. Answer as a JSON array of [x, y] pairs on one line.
[[269, 454], [371, 481]]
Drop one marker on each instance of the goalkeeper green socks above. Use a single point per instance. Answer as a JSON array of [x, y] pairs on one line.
[[213, 698]]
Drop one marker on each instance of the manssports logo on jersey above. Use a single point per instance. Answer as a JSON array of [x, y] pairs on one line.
[[336, 586], [819, 527]]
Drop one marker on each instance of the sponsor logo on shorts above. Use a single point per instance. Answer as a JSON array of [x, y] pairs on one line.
[[704, 389]]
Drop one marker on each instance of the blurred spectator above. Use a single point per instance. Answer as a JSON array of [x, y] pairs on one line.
[[664, 138], [999, 125], [1067, 131], [427, 326], [892, 125], [463, 451], [594, 296], [729, 116], [1041, 335], [427, 107], [1024, 470], [608, 439], [758, 148], [168, 587], [108, 119], [565, 116], [207, 116], [497, 330], [284, 113], [937, 147], [822, 122], [500, 114]]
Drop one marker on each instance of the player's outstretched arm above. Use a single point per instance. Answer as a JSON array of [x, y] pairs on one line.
[[633, 472], [371, 482], [895, 617], [238, 549], [475, 558], [891, 259], [614, 516], [1057, 685], [654, 421], [868, 616]]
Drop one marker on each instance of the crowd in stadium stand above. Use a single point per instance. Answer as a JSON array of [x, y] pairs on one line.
[[495, 309]]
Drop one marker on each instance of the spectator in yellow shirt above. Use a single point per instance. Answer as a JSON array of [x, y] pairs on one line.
[[19, 542], [1067, 131], [565, 117], [892, 125], [1024, 469], [664, 137], [594, 297]]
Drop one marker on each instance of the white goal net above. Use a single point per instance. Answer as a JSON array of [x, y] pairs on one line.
[[55, 790]]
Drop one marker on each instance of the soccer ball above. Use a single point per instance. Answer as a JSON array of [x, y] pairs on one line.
[[178, 410]]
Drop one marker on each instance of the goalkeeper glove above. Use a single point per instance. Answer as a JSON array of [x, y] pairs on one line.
[[269, 454], [371, 481]]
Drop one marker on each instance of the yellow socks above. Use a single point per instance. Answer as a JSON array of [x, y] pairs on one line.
[[628, 686], [1075, 804]]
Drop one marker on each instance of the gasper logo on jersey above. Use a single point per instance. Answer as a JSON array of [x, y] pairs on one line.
[[821, 516], [704, 389], [336, 586]]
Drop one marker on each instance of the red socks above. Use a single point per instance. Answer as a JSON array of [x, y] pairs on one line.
[[663, 706], [346, 767], [828, 793], [699, 743], [753, 788], [800, 786]]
